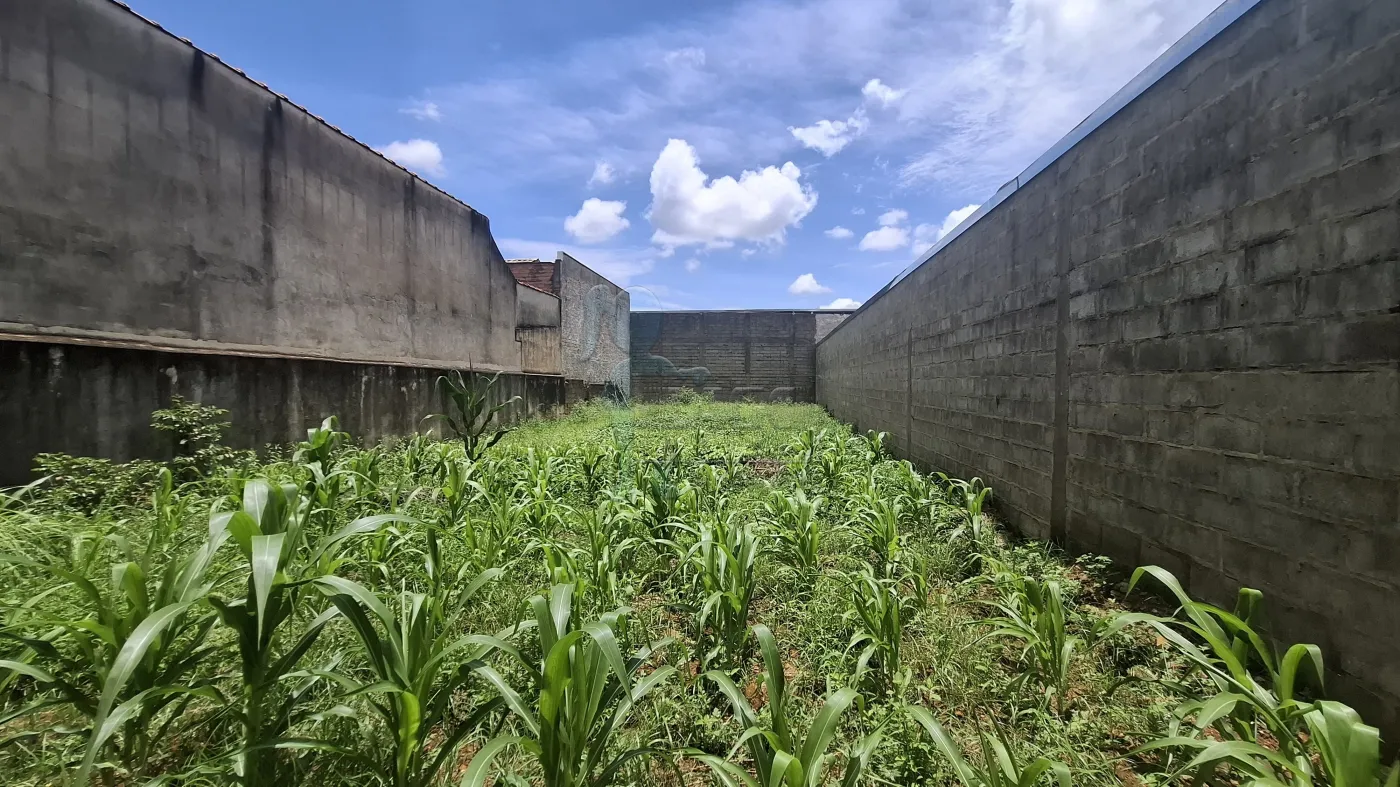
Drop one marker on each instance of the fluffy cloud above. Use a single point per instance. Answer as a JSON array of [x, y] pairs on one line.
[[839, 233], [843, 303], [420, 155], [603, 174], [692, 265], [689, 208], [925, 235], [892, 217], [597, 221], [879, 92], [830, 136], [423, 110], [885, 239], [807, 284]]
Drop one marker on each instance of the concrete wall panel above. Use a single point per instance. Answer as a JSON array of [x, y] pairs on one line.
[[1179, 343]]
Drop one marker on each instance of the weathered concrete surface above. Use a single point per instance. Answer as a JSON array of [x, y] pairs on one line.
[[733, 355], [97, 400], [1180, 343], [596, 334], [148, 191]]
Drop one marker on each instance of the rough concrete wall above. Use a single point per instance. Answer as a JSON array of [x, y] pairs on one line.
[[1180, 343], [149, 191], [535, 309], [596, 330], [97, 400], [734, 355]]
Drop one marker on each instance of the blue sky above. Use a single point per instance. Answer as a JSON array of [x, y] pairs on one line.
[[725, 154]]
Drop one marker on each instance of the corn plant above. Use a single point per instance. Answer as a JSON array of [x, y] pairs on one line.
[[877, 525], [609, 552], [134, 663], [878, 609], [272, 535], [1311, 741], [1034, 613], [997, 765], [781, 756], [496, 537], [666, 499], [581, 691], [798, 530], [969, 498], [470, 416], [876, 446], [592, 467], [806, 450], [416, 655], [720, 568]]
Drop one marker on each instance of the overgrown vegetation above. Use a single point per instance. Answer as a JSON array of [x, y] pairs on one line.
[[691, 593]]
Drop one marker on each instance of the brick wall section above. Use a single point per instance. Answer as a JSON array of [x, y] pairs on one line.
[[1180, 343], [733, 355], [536, 274]]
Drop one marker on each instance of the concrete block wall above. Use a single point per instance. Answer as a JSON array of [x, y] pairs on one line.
[[1180, 342], [733, 355]]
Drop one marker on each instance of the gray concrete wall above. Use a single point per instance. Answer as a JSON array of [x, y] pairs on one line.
[[1180, 343], [596, 332], [149, 192], [96, 400], [733, 355]]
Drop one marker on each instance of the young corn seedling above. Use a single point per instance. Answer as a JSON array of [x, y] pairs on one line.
[[794, 522], [878, 527], [877, 446], [806, 450], [416, 654], [131, 666], [581, 692], [1034, 612], [780, 754], [997, 764], [470, 416], [879, 610], [720, 568], [1309, 742], [271, 533]]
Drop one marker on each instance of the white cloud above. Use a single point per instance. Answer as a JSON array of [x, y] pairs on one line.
[[955, 218], [925, 235], [885, 239], [692, 265], [857, 211], [597, 221], [839, 233], [878, 91], [619, 266], [892, 217], [420, 155], [807, 284], [843, 303], [987, 87], [830, 136], [689, 208], [423, 110], [603, 174]]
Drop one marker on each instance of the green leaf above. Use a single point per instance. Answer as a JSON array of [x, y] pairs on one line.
[[128, 660], [266, 557], [480, 765]]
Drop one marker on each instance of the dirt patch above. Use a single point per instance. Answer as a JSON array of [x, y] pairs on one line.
[[765, 468]]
